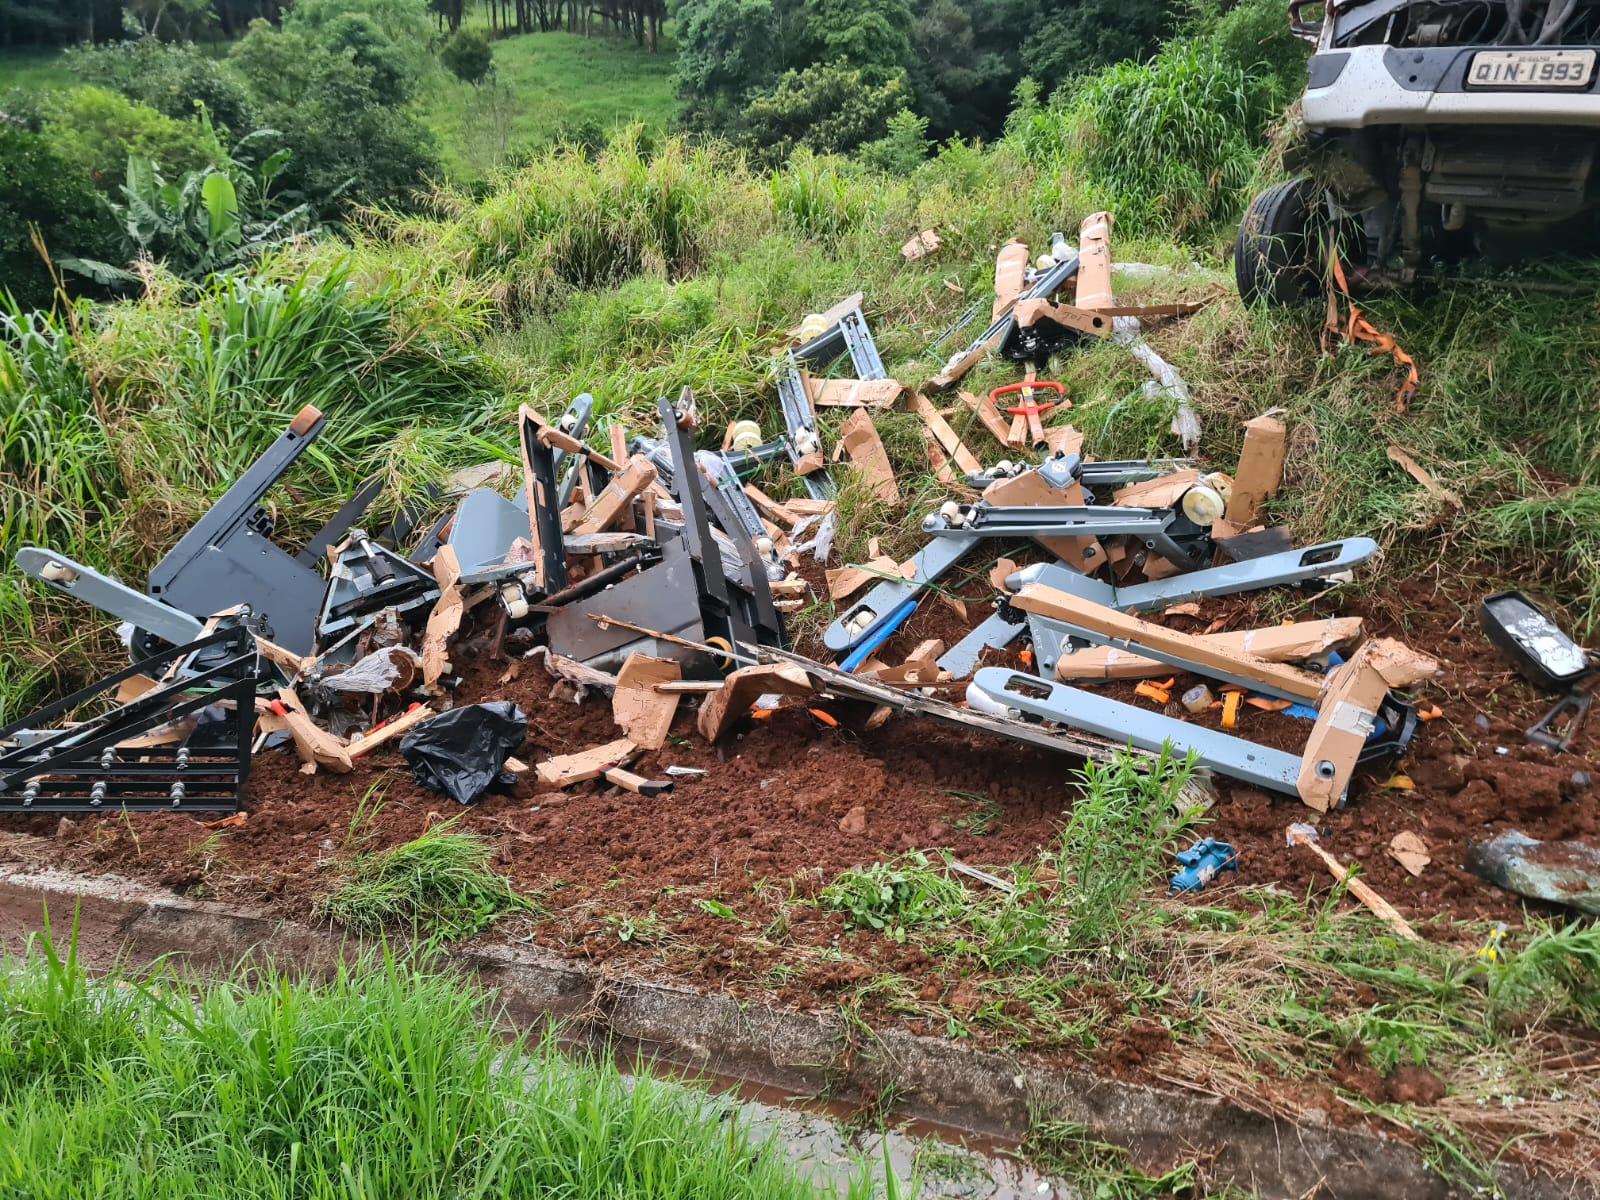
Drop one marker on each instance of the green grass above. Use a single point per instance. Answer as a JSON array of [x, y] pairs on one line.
[[438, 887], [385, 1080], [33, 70], [547, 86]]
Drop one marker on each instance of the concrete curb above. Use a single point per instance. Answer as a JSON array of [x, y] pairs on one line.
[[934, 1080]]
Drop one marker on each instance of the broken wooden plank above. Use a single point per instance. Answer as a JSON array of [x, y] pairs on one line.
[[861, 442], [771, 509], [1132, 633], [949, 441], [642, 712], [398, 727], [1359, 888], [609, 506], [808, 506], [742, 689], [989, 416], [567, 769], [1275, 643]]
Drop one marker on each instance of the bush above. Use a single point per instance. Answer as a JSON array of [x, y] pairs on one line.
[[169, 78], [468, 56], [1170, 146], [336, 104], [97, 130], [830, 108], [40, 187]]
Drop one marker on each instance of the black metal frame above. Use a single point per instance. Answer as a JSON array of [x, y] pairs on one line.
[[79, 768]]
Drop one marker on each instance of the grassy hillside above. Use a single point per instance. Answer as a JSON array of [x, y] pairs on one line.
[[33, 70], [547, 85]]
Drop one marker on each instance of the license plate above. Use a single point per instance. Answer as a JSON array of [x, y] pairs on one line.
[[1531, 68]]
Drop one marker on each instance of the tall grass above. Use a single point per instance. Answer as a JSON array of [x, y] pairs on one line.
[[386, 1080]]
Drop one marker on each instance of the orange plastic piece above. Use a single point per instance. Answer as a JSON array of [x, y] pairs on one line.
[[1355, 328], [1230, 710], [826, 718]]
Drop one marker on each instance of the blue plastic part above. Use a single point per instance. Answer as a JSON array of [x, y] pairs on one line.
[[885, 630], [1201, 863]]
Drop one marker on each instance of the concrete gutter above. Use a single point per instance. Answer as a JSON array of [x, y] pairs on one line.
[[934, 1080]]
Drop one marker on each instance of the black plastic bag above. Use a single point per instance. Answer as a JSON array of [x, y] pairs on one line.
[[462, 752]]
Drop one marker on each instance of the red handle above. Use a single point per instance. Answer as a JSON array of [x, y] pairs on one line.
[[1051, 384]]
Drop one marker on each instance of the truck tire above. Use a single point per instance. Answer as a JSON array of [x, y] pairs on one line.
[[1276, 254]]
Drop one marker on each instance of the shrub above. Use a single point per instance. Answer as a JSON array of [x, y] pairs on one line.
[[468, 56], [40, 188], [97, 130], [827, 108], [171, 79]]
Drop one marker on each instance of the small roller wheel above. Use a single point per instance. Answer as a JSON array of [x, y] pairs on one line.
[[1278, 251]]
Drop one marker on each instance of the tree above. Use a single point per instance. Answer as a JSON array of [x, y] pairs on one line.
[[336, 106], [966, 61], [1075, 37], [468, 56], [829, 109], [172, 79], [872, 36]]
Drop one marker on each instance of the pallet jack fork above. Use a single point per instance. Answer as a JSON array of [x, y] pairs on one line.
[[1358, 710], [137, 756]]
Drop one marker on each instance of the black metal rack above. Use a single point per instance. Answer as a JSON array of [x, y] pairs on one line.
[[98, 764]]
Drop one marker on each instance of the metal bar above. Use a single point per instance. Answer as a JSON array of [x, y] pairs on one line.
[[110, 596], [1276, 770], [332, 533], [803, 438], [997, 631], [863, 618]]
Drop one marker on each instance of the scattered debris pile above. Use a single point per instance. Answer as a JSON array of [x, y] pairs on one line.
[[657, 572]]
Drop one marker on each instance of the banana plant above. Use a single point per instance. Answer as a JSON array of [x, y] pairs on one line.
[[208, 221]]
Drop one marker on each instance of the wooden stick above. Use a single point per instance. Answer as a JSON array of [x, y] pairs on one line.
[[402, 724], [1379, 907]]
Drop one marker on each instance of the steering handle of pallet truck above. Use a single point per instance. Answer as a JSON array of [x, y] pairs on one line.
[[1022, 410]]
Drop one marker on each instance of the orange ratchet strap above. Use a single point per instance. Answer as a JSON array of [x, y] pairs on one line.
[[1356, 328]]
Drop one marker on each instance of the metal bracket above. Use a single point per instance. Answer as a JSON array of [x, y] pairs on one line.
[[228, 558]]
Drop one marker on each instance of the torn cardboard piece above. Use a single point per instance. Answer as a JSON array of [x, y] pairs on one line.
[[315, 745], [846, 581], [567, 769], [1084, 554], [853, 393], [989, 416], [860, 440], [1410, 851], [640, 711], [1161, 492], [920, 246], [444, 620], [742, 689], [1260, 468]]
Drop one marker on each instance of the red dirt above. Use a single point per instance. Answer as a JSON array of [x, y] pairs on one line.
[[622, 877]]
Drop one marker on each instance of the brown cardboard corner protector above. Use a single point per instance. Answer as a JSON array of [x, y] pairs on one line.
[[642, 713], [1192, 648], [1161, 492], [743, 688], [1010, 273], [1274, 643], [1260, 468], [861, 442], [1347, 712]]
